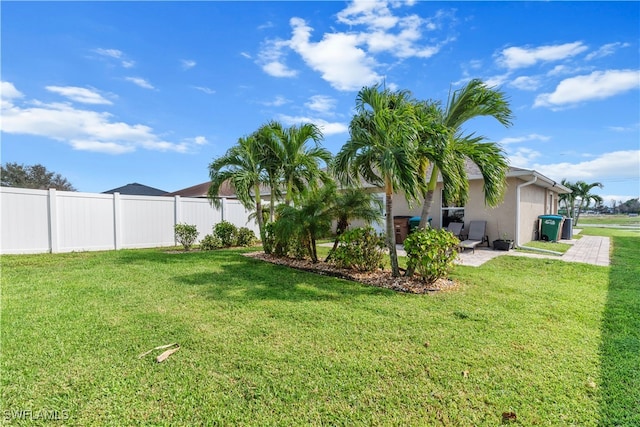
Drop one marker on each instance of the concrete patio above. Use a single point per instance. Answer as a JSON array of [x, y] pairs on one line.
[[588, 249]]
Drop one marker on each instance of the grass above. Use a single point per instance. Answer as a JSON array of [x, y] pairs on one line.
[[594, 220], [550, 246], [556, 343]]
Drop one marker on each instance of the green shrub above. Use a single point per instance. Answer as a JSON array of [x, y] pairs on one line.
[[245, 237], [210, 243], [269, 241], [298, 246], [431, 252], [360, 249], [226, 232], [186, 235]]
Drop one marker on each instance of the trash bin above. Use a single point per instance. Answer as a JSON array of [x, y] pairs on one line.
[[401, 227], [414, 222], [567, 229], [550, 227]]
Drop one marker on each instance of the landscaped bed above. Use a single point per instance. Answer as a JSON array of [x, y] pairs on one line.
[[536, 341]]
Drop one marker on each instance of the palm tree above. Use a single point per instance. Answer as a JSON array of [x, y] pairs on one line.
[[582, 191], [446, 147], [271, 157], [308, 220], [382, 151], [241, 166], [349, 204], [301, 163]]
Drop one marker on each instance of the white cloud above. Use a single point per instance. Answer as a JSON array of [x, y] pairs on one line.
[[519, 57], [200, 140], [271, 59], [630, 128], [80, 94], [8, 91], [526, 138], [140, 82], [614, 165], [597, 85], [347, 59], [523, 157], [321, 104], [112, 53], [606, 50], [277, 101], [526, 83], [278, 69], [372, 13], [115, 54], [188, 64], [327, 128], [204, 89], [245, 54], [337, 57], [82, 129], [496, 81]]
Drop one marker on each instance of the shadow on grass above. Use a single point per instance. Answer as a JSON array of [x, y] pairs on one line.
[[620, 348], [239, 278]]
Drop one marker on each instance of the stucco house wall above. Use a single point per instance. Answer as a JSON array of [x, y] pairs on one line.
[[536, 198]]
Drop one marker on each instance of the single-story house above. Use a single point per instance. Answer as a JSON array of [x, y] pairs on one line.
[[135, 189], [528, 195]]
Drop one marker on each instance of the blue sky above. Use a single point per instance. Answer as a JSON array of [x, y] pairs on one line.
[[109, 93]]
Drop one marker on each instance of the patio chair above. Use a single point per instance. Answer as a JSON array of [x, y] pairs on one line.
[[476, 236], [456, 229]]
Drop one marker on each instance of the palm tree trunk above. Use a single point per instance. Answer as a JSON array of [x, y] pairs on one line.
[[340, 228], [391, 236], [259, 217], [428, 199]]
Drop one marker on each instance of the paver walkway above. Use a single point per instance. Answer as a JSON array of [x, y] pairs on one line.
[[588, 249]]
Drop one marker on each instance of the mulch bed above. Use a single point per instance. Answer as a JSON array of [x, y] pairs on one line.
[[378, 278]]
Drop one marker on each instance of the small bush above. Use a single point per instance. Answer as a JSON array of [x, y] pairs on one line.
[[245, 237], [269, 242], [186, 235], [298, 247], [431, 252], [226, 232], [210, 243], [360, 249]]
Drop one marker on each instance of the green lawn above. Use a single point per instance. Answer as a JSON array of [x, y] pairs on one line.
[[556, 343], [624, 220]]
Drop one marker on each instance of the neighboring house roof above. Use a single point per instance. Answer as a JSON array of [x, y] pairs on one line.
[[136, 189], [201, 190]]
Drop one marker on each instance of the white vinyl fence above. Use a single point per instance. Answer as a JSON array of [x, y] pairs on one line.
[[38, 221]]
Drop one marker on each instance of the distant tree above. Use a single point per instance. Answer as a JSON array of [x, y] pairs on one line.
[[630, 206], [580, 197], [33, 176]]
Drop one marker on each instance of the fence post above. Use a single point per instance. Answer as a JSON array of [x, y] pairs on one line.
[[53, 221], [177, 203], [117, 227], [223, 209]]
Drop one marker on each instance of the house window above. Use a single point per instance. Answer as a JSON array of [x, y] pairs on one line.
[[450, 213]]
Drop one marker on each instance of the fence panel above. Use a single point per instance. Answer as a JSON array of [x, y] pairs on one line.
[[147, 221], [85, 221], [236, 214], [200, 213], [24, 221], [37, 221]]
